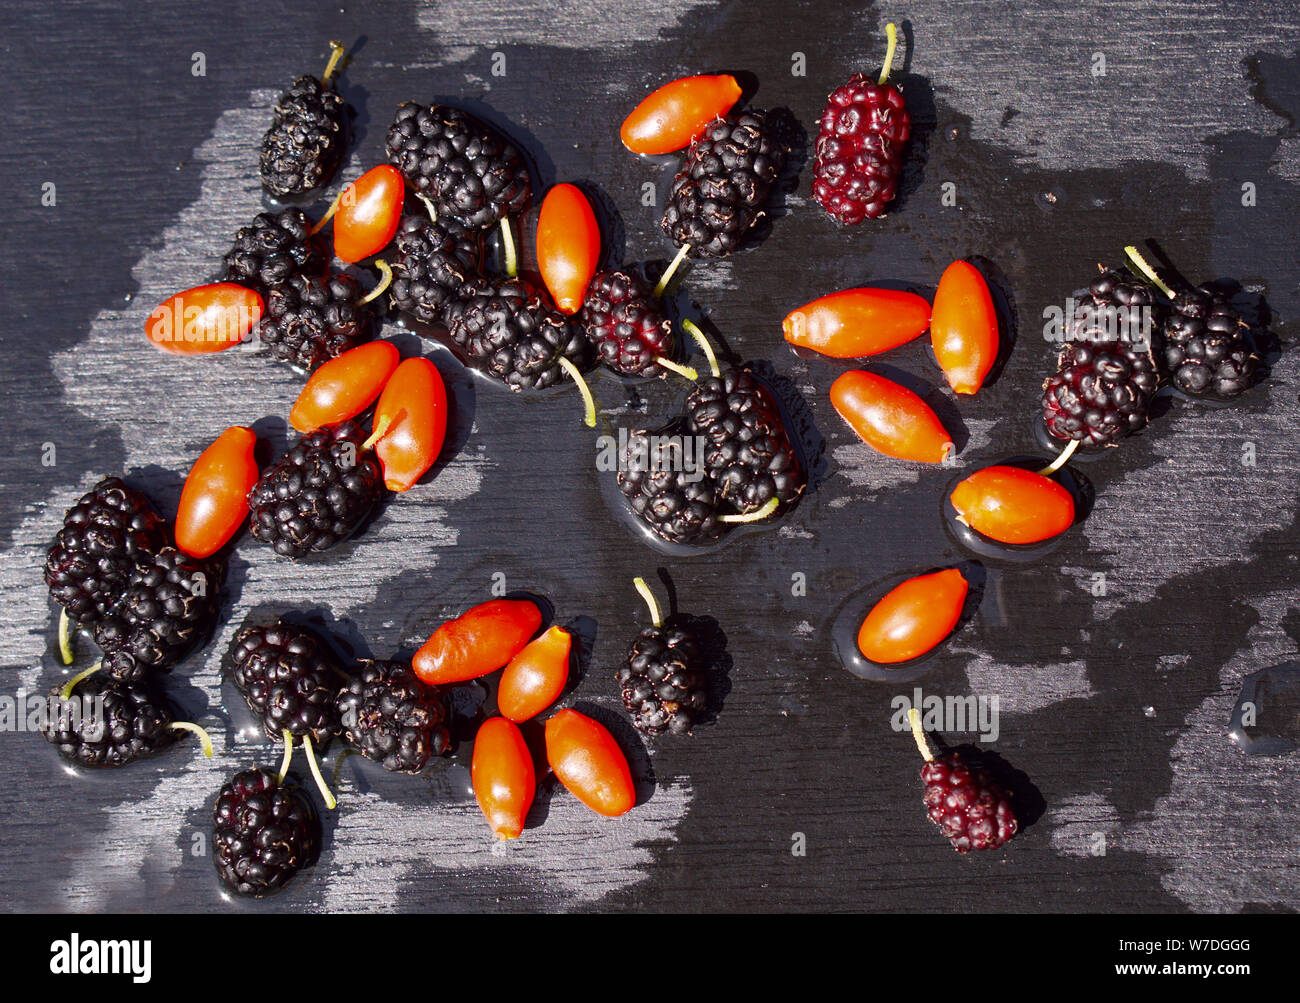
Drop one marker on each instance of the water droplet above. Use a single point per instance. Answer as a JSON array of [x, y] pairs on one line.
[[1149, 711], [1266, 718]]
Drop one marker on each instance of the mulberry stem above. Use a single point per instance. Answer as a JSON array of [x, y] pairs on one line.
[[1145, 268], [644, 590], [71, 684], [767, 509], [673, 367], [378, 431], [386, 279], [588, 401], [330, 803], [891, 33], [329, 213], [693, 330], [288, 756], [918, 733], [428, 207], [65, 638], [204, 737], [508, 246], [1061, 460], [667, 276], [336, 54]]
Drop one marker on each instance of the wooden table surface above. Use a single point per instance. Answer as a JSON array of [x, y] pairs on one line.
[[1114, 691]]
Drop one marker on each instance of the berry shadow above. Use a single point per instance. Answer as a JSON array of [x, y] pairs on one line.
[[541, 168], [160, 485], [468, 704], [1027, 800], [791, 135], [356, 97], [712, 642], [919, 94], [584, 630], [462, 406], [800, 424]]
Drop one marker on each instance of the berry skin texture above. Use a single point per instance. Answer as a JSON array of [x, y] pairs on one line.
[[718, 194], [464, 167], [393, 718], [890, 418], [304, 145], [107, 723], [1012, 505], [535, 678], [862, 136], [748, 452], [855, 323], [312, 319], [1106, 372], [317, 493], [479, 641], [170, 605], [344, 387], [434, 260], [263, 833], [511, 332], [272, 248], [214, 501], [290, 680], [964, 327], [413, 411], [913, 618], [663, 683], [109, 531], [568, 246], [204, 319], [676, 504], [587, 760], [1206, 350], [503, 776], [626, 325], [369, 210], [676, 114], [967, 805]]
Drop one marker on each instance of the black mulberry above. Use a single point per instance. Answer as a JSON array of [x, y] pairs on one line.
[[169, 607], [719, 193], [394, 718], [304, 145], [465, 169], [509, 331], [290, 680], [311, 319], [317, 493], [434, 261], [110, 530], [263, 833]]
